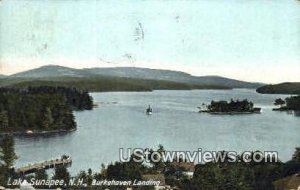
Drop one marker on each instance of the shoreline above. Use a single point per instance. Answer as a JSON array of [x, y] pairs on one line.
[[229, 113], [37, 133]]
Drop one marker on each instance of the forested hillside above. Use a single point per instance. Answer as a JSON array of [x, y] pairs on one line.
[[40, 108], [283, 88], [105, 84]]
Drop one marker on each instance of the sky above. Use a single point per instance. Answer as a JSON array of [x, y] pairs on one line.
[[251, 40]]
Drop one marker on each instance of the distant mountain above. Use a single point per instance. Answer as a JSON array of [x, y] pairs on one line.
[[175, 76], [133, 72], [49, 71], [282, 88], [2, 76]]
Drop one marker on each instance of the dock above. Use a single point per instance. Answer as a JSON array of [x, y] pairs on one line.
[[31, 168]]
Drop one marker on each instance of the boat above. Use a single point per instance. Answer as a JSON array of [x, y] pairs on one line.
[[149, 110]]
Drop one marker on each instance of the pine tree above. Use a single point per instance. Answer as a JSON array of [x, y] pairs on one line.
[[41, 174], [48, 119], [61, 173], [296, 155], [7, 152], [90, 177], [3, 120]]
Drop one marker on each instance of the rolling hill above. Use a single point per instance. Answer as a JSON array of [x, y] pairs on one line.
[[136, 73], [282, 88]]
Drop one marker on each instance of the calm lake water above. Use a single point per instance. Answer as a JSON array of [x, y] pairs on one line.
[[120, 121]]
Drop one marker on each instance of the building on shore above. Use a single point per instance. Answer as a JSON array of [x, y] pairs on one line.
[[186, 168]]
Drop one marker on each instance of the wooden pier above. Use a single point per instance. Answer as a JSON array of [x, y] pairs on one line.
[[64, 160]]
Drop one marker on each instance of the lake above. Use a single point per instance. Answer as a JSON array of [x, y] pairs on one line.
[[120, 122]]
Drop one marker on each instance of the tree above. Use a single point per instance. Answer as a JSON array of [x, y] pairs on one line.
[[3, 120], [296, 155], [90, 176], [3, 176], [7, 151], [81, 176], [160, 165], [61, 173], [103, 171], [41, 174], [48, 119], [293, 102], [7, 158], [279, 102], [125, 170], [41, 108]]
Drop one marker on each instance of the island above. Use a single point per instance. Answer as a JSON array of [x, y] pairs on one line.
[[231, 107], [41, 110], [288, 104]]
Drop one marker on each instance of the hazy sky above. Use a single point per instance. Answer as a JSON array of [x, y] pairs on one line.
[[253, 40]]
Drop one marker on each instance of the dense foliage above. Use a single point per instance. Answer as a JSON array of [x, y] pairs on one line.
[[7, 158], [290, 103], [213, 175], [40, 108], [77, 99], [293, 102], [279, 102], [239, 176], [232, 106]]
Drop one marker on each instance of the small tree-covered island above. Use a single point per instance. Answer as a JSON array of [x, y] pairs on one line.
[[288, 104], [231, 107], [41, 109]]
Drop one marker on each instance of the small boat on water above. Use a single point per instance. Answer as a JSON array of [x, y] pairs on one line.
[[149, 110]]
